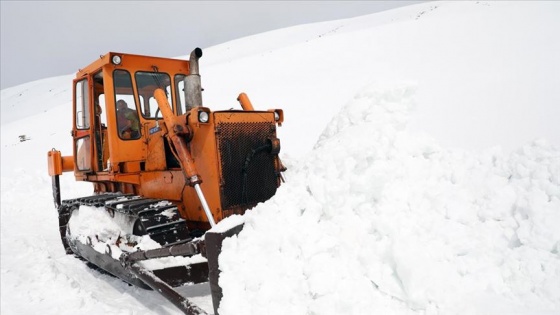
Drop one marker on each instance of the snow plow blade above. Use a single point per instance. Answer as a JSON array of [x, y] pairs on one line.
[[214, 242], [211, 247]]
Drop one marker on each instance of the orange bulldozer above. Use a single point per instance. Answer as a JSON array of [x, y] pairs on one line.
[[165, 170]]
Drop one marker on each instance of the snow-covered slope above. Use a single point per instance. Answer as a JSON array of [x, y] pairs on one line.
[[423, 148]]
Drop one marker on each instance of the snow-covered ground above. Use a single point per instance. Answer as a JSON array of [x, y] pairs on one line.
[[423, 148]]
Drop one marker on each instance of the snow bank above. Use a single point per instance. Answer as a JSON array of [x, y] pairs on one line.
[[380, 220]]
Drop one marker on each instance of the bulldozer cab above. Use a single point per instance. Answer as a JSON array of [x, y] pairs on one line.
[[107, 137]]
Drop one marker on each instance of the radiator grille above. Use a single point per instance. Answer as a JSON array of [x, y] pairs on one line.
[[235, 141]]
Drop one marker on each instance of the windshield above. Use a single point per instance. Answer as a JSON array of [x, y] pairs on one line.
[[147, 83]]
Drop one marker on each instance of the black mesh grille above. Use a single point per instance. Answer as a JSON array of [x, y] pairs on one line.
[[236, 141]]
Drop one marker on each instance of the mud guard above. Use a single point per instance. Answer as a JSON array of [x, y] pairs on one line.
[[214, 242]]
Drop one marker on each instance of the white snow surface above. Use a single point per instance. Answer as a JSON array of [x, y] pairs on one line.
[[423, 155]]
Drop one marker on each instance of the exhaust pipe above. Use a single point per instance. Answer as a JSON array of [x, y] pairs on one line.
[[193, 88]]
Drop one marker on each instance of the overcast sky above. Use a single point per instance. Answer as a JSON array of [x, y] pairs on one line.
[[41, 39]]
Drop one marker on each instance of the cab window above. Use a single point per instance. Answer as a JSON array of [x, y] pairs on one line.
[[128, 123], [180, 93], [82, 108], [147, 83]]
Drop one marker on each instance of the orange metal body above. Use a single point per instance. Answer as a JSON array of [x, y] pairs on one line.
[[152, 164]]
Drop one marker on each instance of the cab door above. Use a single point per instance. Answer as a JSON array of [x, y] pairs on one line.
[[100, 135]]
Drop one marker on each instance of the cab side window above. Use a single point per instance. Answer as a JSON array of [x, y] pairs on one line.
[[82, 108]]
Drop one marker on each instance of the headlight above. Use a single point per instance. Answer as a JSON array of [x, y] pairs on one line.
[[278, 116], [116, 60], [203, 117]]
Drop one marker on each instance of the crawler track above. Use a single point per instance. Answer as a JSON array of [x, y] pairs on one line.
[[156, 218]]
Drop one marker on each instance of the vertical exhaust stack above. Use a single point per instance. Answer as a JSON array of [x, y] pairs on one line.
[[193, 88]]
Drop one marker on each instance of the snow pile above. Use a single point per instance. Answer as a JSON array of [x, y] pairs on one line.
[[380, 220]]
